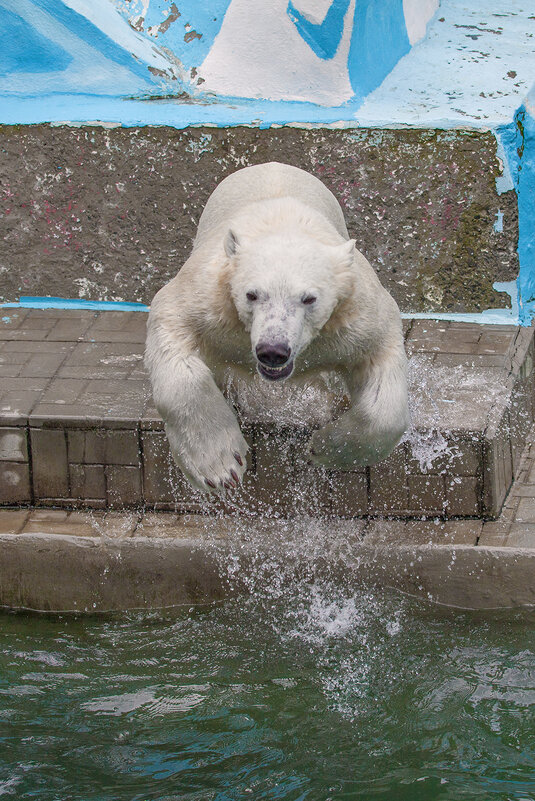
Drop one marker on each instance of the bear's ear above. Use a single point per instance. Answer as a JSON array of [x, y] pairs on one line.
[[231, 244], [346, 253]]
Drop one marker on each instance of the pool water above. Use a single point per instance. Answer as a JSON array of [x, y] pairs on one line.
[[302, 690]]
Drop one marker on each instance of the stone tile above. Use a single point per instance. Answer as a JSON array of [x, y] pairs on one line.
[[388, 491], [163, 482], [123, 486], [423, 532], [349, 494], [470, 361], [525, 512], [275, 483], [13, 444], [498, 468], [65, 391], [104, 446], [68, 415], [17, 405], [43, 365], [39, 347], [521, 490], [494, 533], [520, 417], [49, 462], [462, 453], [119, 327], [15, 483], [12, 320], [114, 407], [495, 342], [427, 494], [463, 496], [69, 329], [171, 526], [521, 535], [312, 485], [87, 482], [13, 520], [118, 525], [101, 360], [55, 521]]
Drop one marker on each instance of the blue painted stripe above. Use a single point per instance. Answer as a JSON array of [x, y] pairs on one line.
[[31, 302], [324, 39], [93, 36], [490, 317]]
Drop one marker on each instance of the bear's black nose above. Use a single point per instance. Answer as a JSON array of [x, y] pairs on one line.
[[273, 355]]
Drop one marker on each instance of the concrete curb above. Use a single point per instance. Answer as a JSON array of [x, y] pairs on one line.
[[62, 573]]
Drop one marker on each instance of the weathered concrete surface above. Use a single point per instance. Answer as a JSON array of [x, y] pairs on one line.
[[51, 572], [111, 214]]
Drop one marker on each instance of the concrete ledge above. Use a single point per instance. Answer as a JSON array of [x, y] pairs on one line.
[[196, 563]]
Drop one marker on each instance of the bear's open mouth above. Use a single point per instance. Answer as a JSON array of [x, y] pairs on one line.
[[275, 373]]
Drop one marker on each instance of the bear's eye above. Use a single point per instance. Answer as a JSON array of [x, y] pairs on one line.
[[308, 300], [252, 296]]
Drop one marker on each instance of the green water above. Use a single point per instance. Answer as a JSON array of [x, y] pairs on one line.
[[298, 692]]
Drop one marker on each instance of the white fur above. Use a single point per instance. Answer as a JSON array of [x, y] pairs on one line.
[[277, 234]]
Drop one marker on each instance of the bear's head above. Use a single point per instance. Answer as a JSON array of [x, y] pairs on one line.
[[285, 288]]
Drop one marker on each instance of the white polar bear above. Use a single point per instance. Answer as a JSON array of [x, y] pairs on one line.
[[274, 285]]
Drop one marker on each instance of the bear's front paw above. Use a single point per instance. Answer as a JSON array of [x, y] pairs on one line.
[[212, 461]]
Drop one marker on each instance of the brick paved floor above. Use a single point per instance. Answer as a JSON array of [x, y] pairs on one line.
[[78, 427]]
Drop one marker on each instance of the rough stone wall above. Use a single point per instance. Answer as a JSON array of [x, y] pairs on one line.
[[111, 214]]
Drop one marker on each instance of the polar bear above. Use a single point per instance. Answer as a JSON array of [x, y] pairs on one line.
[[275, 286]]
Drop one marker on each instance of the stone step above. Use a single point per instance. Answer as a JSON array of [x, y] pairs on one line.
[[96, 561], [78, 427]]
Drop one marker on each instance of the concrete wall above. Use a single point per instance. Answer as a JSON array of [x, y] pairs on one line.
[[309, 63], [111, 215], [326, 51]]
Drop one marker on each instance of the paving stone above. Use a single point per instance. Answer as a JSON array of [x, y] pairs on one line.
[[349, 494], [49, 463], [470, 361], [13, 520], [123, 485], [12, 319], [69, 330], [101, 360], [497, 466], [521, 535], [523, 490], [15, 483], [389, 491], [104, 446], [426, 494], [173, 526], [87, 482], [63, 391], [423, 532], [274, 489], [163, 482], [55, 521], [312, 485], [463, 496], [526, 510], [16, 405], [494, 533], [13, 444]]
